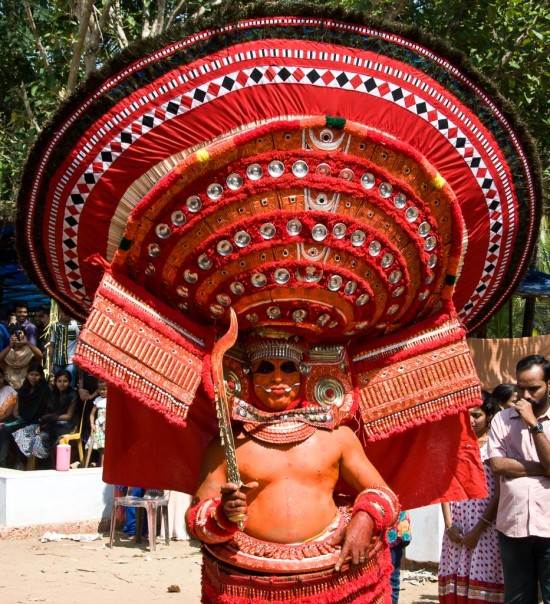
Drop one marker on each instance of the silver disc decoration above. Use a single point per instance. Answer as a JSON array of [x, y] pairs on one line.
[[232, 382], [329, 392]]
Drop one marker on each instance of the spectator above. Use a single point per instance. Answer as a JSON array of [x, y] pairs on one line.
[[96, 442], [21, 312], [505, 395], [519, 452], [39, 439], [63, 338], [16, 358], [399, 536], [8, 398], [4, 333], [42, 321], [32, 402], [470, 569]]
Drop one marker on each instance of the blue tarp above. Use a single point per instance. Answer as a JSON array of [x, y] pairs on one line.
[[14, 285], [535, 284]]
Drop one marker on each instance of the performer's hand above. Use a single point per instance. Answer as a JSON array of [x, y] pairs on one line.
[[356, 539], [234, 500]]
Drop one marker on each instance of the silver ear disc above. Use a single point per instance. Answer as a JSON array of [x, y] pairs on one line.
[[329, 392], [304, 368], [232, 382]]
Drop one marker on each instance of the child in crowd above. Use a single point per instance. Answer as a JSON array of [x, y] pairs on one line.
[[399, 536], [97, 422]]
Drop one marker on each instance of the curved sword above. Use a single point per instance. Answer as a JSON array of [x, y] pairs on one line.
[[222, 407]]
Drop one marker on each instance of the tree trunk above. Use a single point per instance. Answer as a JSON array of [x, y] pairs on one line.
[[529, 317], [84, 22]]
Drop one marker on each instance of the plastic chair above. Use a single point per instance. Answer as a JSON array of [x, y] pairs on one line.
[[66, 439], [150, 502]]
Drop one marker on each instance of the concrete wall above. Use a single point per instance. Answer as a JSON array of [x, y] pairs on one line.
[[45, 497]]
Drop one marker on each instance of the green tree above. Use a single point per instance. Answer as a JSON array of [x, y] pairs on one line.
[[49, 46], [506, 40]]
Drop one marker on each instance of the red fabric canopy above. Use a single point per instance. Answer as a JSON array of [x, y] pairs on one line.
[[429, 463]]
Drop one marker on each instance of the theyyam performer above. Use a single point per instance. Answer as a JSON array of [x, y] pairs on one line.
[[279, 226]]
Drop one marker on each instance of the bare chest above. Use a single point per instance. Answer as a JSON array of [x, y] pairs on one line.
[[312, 460]]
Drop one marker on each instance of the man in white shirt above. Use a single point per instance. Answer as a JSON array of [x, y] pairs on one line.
[[519, 451]]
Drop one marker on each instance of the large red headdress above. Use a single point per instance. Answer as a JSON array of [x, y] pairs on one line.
[[331, 179]]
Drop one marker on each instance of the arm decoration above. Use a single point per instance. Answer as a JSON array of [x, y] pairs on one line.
[[381, 505], [208, 523]]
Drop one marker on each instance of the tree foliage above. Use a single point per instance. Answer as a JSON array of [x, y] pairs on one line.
[[49, 46]]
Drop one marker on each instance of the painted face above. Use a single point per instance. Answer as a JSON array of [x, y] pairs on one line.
[[62, 383], [532, 387], [34, 377], [276, 382], [480, 424]]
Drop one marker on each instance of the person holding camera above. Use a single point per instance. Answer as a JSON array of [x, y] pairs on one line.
[[16, 358], [20, 322]]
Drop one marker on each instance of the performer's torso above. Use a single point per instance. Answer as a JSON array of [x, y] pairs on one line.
[[294, 500]]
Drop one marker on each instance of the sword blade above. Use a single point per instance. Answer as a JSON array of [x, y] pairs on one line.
[[222, 407]]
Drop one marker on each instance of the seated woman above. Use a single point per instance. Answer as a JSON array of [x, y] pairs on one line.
[[39, 439], [8, 398], [32, 402]]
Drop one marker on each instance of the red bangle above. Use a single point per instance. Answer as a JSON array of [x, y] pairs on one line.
[[208, 523], [381, 504]]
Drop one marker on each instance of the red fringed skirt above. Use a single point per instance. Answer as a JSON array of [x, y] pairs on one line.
[[367, 583]]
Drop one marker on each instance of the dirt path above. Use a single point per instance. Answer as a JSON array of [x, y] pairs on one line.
[[91, 573]]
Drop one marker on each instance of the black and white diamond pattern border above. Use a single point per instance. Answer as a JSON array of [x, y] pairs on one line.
[[264, 76]]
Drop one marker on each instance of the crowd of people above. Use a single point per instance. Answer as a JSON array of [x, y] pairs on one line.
[[43, 395], [495, 549], [498, 549]]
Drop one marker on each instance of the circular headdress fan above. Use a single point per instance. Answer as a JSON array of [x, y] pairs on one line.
[[330, 179]]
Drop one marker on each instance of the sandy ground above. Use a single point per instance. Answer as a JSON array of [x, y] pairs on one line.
[[91, 573]]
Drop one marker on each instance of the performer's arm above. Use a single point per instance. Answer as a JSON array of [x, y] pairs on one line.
[[376, 507], [216, 500]]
